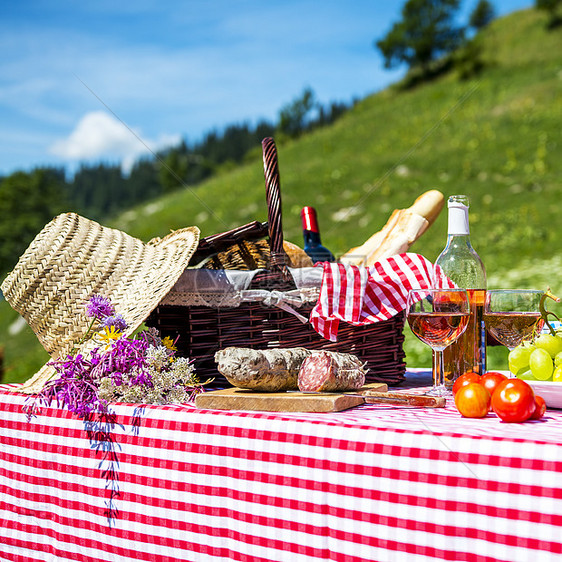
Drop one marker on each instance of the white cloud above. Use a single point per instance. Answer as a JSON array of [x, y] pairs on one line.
[[187, 67], [174, 66], [99, 135]]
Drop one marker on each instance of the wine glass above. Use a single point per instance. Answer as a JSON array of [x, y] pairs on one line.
[[438, 317], [511, 315]]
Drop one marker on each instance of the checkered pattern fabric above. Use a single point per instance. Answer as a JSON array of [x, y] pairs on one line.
[[360, 295], [174, 483]]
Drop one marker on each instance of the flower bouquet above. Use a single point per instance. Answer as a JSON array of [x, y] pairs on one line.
[[142, 368]]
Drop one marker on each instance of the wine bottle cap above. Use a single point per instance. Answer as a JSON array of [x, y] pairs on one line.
[[458, 200], [458, 215], [309, 220]]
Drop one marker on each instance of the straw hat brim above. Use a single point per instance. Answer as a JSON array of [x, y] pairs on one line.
[[73, 258]]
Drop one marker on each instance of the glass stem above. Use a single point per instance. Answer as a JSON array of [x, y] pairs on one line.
[[438, 373]]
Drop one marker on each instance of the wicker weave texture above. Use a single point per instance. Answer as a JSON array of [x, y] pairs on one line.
[[73, 258], [203, 330]]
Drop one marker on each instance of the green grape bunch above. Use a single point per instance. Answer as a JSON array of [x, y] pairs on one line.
[[540, 358]]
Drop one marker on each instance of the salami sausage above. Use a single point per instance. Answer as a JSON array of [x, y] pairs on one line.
[[268, 370], [330, 371]]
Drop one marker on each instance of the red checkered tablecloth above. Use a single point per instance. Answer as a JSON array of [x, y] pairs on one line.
[[167, 483]]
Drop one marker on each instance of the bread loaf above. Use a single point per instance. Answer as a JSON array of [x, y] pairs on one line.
[[255, 254], [407, 228], [297, 256], [429, 205], [402, 229]]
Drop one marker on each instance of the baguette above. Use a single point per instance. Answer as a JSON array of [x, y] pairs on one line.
[[429, 205], [407, 229], [402, 229]]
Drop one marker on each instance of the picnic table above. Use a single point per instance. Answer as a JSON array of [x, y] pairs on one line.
[[375, 482]]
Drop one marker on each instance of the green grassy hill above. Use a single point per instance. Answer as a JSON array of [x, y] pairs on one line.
[[496, 137]]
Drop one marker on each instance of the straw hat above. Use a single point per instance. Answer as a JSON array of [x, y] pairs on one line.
[[73, 258]]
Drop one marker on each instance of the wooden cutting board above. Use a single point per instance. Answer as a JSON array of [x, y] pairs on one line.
[[240, 399]]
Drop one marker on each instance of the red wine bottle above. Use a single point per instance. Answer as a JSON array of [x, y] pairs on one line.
[[311, 233]]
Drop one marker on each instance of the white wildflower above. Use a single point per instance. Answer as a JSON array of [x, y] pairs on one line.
[[106, 389], [183, 370], [158, 356], [177, 395]]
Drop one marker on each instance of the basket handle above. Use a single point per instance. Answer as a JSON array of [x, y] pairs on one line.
[[273, 196]]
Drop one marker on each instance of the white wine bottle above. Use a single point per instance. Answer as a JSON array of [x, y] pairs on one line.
[[463, 266]]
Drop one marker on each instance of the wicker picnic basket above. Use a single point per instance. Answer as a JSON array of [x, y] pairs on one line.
[[201, 330]]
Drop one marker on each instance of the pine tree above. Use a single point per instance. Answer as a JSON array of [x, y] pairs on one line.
[[482, 15], [426, 31], [551, 7], [28, 201]]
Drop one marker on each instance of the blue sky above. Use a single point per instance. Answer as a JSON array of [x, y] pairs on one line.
[[111, 80]]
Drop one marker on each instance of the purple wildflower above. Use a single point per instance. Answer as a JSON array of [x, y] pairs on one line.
[[95, 357], [75, 387], [85, 383], [99, 307], [142, 378], [125, 357], [117, 321]]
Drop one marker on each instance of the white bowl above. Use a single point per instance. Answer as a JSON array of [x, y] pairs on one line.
[[550, 391]]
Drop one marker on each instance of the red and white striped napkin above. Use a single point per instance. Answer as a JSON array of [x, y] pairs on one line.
[[360, 295]]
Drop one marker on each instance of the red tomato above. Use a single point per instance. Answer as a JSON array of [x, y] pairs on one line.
[[472, 400], [491, 380], [465, 379], [513, 400], [540, 408]]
